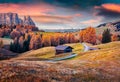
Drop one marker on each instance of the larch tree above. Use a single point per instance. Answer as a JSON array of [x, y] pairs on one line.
[[35, 42], [55, 40], [81, 35], [88, 35], [46, 40], [21, 41], [114, 37], [15, 34]]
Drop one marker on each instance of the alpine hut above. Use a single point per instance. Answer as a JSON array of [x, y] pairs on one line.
[[63, 49]]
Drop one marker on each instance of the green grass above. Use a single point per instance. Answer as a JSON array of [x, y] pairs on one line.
[[109, 51], [77, 47], [46, 33], [93, 66], [49, 52]]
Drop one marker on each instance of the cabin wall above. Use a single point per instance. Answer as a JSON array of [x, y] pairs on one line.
[[68, 50]]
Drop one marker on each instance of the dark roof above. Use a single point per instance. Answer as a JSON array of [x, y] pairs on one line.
[[62, 47]]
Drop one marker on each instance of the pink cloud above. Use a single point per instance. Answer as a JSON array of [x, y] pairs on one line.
[[78, 15], [93, 22], [46, 18], [23, 9], [39, 12], [52, 18], [110, 7]]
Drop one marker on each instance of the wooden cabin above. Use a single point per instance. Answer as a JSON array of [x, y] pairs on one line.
[[63, 49]]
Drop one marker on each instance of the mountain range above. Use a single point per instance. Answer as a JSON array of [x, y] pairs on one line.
[[14, 19], [113, 26]]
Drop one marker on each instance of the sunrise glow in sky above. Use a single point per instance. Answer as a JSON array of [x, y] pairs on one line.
[[64, 14]]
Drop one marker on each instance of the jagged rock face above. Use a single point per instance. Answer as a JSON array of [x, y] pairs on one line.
[[13, 19], [28, 21], [9, 18]]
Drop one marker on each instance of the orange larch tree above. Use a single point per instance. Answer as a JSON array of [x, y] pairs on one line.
[[114, 37], [46, 40], [88, 35], [35, 42]]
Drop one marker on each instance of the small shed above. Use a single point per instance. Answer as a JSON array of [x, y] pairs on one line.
[[63, 49], [87, 48]]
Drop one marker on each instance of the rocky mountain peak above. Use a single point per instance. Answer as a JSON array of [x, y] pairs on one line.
[[13, 19], [28, 21]]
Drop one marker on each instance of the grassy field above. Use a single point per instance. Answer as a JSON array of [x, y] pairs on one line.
[[48, 33], [107, 51], [49, 52], [93, 66]]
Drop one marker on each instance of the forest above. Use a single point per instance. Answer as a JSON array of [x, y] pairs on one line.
[[29, 38]]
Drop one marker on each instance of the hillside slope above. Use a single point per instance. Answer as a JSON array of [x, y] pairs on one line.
[[93, 66], [47, 53], [113, 26], [6, 54]]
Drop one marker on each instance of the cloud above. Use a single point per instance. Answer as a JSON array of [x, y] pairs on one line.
[[41, 13], [92, 22], [112, 7], [50, 19], [78, 15], [23, 9], [65, 3], [75, 4], [109, 11], [19, 1], [55, 19]]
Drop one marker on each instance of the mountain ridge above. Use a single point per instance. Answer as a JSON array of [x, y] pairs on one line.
[[116, 24], [114, 27], [14, 19]]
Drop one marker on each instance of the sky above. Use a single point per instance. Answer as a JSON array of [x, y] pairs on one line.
[[64, 14]]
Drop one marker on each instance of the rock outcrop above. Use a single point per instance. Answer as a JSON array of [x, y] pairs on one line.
[[13, 19], [28, 21]]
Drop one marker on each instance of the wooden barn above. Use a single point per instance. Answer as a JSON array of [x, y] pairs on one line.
[[63, 49]]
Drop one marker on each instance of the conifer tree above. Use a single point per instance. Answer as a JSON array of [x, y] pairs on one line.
[[106, 36]]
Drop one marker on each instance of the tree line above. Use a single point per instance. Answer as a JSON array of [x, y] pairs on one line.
[[15, 30], [31, 40], [89, 35]]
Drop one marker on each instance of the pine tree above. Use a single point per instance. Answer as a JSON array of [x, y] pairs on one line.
[[106, 36], [26, 44], [11, 46]]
